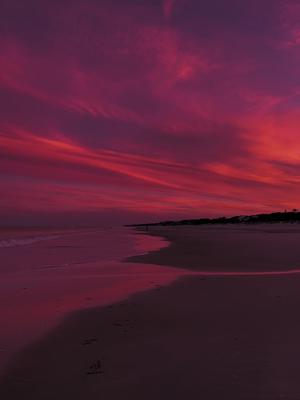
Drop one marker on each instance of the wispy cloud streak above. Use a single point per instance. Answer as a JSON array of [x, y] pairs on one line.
[[164, 108]]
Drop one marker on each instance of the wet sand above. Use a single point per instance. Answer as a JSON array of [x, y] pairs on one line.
[[210, 337], [43, 281]]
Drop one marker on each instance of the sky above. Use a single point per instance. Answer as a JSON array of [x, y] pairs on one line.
[[119, 111]]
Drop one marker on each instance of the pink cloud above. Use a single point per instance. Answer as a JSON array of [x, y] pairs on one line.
[[168, 6]]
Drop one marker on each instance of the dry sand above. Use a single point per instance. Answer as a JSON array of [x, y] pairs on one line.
[[222, 248], [199, 338]]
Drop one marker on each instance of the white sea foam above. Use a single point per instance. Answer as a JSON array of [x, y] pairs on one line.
[[14, 242]]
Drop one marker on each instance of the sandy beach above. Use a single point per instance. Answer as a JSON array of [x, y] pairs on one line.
[[237, 248], [209, 337]]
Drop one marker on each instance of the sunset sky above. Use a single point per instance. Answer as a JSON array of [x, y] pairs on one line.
[[132, 110]]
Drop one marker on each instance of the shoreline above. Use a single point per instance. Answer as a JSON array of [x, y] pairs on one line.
[[44, 281], [199, 337]]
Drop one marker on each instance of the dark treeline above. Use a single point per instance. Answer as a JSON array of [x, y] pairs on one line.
[[287, 216]]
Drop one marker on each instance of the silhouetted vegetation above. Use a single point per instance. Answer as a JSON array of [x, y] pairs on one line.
[[277, 217]]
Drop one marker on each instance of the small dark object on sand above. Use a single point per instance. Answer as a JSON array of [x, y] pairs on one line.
[[95, 368]]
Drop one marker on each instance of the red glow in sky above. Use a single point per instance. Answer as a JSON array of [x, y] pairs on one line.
[[144, 110]]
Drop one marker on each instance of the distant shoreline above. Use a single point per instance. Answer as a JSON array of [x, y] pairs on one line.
[[271, 218]]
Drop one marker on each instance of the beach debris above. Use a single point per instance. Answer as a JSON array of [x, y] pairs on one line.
[[95, 368]]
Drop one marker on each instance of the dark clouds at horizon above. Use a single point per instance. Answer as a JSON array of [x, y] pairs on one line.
[[139, 110]]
